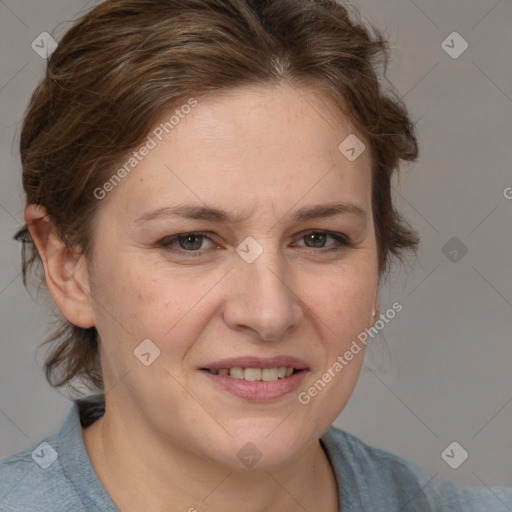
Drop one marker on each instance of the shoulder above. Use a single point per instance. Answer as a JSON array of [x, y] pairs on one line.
[[372, 461], [33, 479], [399, 484], [37, 479]]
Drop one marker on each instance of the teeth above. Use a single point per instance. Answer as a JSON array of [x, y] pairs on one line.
[[253, 374], [269, 374], [237, 373]]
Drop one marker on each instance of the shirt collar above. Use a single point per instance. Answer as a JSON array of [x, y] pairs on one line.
[[74, 458]]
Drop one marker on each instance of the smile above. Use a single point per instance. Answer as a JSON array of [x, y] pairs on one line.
[[255, 374], [256, 384]]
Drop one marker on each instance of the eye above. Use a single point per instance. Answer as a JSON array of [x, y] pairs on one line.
[[188, 243], [191, 244], [318, 238]]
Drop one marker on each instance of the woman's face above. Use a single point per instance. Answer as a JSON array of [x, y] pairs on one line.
[[258, 284]]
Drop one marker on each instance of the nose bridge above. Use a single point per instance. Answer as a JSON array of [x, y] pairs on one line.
[[264, 300]]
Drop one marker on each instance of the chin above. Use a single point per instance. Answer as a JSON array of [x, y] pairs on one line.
[[260, 444]]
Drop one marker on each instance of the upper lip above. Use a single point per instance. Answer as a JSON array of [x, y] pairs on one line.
[[257, 362]]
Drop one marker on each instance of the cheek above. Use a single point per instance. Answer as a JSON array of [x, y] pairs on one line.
[[126, 302], [168, 308], [134, 305], [344, 303], [342, 310], [160, 303]]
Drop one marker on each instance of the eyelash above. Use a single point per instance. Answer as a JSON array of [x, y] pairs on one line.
[[342, 241]]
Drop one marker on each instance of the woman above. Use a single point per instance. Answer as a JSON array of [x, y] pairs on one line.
[[208, 191]]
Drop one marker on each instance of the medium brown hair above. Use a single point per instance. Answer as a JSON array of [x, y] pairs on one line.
[[125, 62]]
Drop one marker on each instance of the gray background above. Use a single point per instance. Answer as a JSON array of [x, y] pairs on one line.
[[441, 370]]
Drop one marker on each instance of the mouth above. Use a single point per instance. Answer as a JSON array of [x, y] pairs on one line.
[[254, 378], [253, 374], [257, 379]]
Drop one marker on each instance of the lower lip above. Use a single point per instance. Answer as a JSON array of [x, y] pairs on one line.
[[259, 390]]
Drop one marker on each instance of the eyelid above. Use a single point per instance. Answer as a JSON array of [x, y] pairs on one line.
[[341, 241], [333, 234]]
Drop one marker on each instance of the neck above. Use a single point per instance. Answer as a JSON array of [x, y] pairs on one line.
[[139, 470]]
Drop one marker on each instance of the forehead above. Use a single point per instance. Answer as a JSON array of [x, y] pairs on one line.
[[249, 146]]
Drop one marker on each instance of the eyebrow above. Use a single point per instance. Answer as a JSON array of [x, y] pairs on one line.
[[191, 211]]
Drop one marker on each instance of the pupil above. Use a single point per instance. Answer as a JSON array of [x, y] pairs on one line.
[[316, 235], [191, 237]]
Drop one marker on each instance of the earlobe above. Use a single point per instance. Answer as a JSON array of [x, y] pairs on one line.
[[65, 270], [375, 311]]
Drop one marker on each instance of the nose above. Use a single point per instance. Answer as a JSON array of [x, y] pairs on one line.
[[262, 298]]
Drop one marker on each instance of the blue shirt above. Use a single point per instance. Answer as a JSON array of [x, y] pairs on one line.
[[56, 475]]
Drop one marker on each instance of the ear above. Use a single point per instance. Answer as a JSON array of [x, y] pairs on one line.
[[376, 311], [65, 271]]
